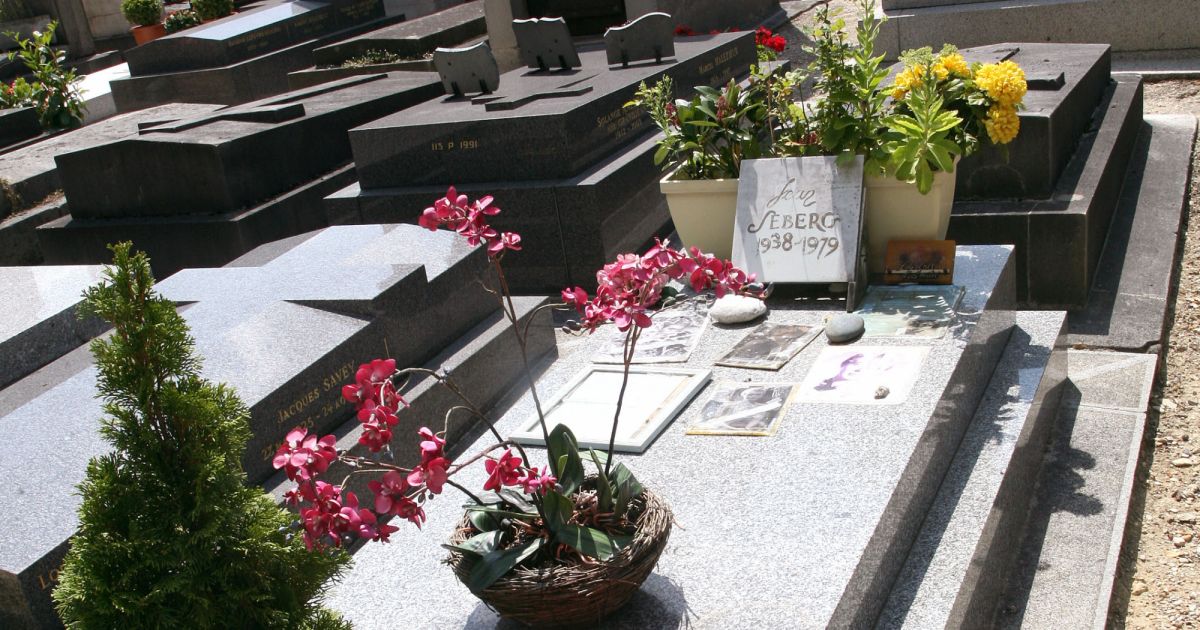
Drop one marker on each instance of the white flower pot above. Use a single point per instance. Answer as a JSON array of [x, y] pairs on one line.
[[896, 211], [703, 212]]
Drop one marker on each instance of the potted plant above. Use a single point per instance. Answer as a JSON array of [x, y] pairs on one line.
[[545, 545], [704, 142], [52, 90], [146, 16], [210, 10], [180, 20], [911, 132]]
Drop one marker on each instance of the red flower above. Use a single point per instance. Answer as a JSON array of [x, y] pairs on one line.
[[301, 455], [777, 43], [377, 421], [502, 472], [373, 382], [458, 213], [389, 492]]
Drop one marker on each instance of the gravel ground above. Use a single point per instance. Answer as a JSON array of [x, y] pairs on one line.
[[1160, 585]]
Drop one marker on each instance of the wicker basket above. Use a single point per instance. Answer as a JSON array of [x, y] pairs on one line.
[[577, 595]]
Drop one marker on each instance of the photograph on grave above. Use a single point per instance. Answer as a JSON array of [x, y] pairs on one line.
[[799, 219], [770, 346], [671, 339], [919, 262], [753, 409], [910, 311], [586, 405], [863, 375]]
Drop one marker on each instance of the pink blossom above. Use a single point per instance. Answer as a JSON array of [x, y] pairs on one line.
[[468, 218], [302, 456], [373, 382], [388, 491], [320, 518], [536, 481], [504, 471], [377, 421], [411, 510], [432, 473]]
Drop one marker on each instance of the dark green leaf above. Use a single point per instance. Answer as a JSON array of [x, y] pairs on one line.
[[591, 542], [564, 452], [558, 509], [477, 545], [604, 491], [494, 564]]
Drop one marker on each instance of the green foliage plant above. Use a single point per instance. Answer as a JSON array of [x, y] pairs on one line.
[[708, 136], [180, 20], [170, 535], [53, 90], [142, 12], [212, 9]]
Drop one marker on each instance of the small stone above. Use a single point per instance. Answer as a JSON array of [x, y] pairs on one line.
[[844, 328], [1178, 541], [1187, 538], [1167, 403], [1183, 462], [1184, 517], [1139, 588], [735, 309], [882, 393]]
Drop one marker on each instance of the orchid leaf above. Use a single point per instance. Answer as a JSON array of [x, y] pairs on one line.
[[496, 563], [604, 491], [558, 510], [564, 455], [591, 542], [477, 545]]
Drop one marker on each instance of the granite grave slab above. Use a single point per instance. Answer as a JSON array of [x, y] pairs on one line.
[[650, 36], [545, 44], [17, 124], [860, 480], [286, 335], [39, 322], [467, 70], [248, 34]]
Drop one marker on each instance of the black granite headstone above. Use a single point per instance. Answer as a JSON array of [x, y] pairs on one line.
[[411, 38], [18, 124], [583, 17]]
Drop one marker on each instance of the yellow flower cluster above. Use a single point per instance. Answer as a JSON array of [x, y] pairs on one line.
[[1003, 82], [1002, 123], [954, 64], [908, 79]]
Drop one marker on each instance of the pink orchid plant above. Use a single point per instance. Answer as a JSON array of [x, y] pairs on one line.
[[529, 514]]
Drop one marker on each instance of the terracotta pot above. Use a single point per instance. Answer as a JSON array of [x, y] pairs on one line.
[[896, 211], [143, 34], [703, 211]]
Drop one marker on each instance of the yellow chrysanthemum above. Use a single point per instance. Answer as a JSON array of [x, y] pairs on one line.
[[908, 79], [1003, 82], [1002, 124], [941, 71], [955, 64]]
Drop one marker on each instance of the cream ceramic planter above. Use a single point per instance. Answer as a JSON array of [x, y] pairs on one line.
[[897, 211], [703, 212]]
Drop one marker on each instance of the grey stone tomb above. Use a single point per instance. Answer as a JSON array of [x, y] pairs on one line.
[[467, 70], [546, 43], [651, 36]]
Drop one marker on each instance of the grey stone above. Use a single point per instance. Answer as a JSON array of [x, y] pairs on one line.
[[955, 570], [545, 44], [1127, 306], [411, 38], [651, 36], [262, 29], [736, 309], [1152, 25], [39, 322], [471, 69], [884, 461], [1120, 381], [844, 328], [286, 335], [17, 124]]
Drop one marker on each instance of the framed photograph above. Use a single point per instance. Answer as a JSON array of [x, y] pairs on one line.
[[739, 408], [910, 311], [863, 375], [770, 346], [671, 337], [586, 405]]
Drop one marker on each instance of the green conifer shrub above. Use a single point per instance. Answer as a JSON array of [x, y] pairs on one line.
[[169, 534]]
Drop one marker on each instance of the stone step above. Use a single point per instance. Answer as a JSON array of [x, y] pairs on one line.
[[1067, 561], [954, 570], [484, 363]]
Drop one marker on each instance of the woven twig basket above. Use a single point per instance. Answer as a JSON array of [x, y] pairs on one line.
[[564, 596]]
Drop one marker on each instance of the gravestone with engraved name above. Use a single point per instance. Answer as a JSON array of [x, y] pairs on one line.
[[285, 332], [570, 164], [230, 175]]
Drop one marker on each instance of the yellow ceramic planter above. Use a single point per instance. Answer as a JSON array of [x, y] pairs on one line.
[[897, 211], [703, 212]]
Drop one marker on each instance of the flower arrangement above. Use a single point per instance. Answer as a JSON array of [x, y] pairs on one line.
[[768, 44], [179, 20], [526, 514]]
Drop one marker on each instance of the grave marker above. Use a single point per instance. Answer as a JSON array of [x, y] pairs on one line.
[[546, 42], [651, 36], [800, 220], [465, 70]]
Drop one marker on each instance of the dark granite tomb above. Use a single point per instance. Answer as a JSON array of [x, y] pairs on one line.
[[412, 38], [569, 164], [18, 124], [180, 179], [286, 327], [1054, 193]]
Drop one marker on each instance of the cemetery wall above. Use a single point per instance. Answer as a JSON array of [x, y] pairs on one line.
[[105, 19]]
